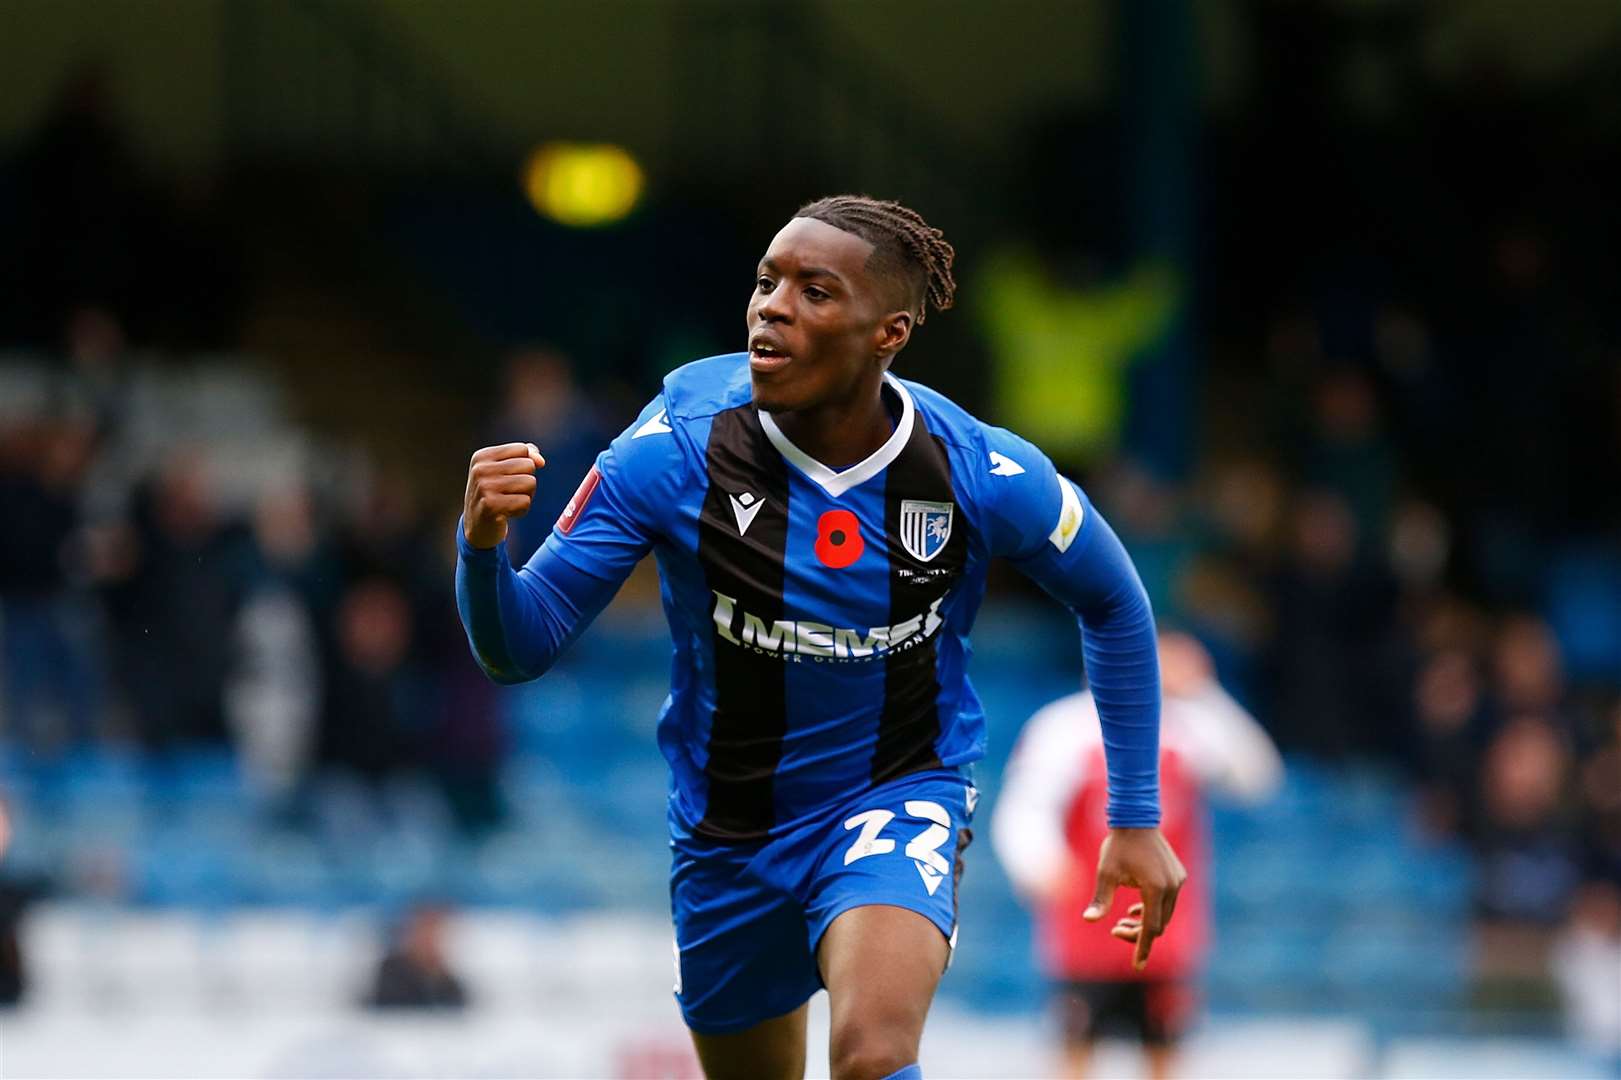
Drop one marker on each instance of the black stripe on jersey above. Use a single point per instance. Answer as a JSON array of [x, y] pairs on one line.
[[910, 723], [751, 709]]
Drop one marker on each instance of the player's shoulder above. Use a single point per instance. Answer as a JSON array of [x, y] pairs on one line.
[[946, 420], [669, 427], [1002, 452], [989, 462], [702, 388]]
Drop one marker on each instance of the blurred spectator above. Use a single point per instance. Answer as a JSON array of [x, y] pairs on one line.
[[541, 403], [1587, 966], [89, 213], [172, 596], [1050, 822], [414, 972], [99, 233], [374, 709], [50, 680], [1332, 690], [1450, 706], [466, 740], [1528, 676], [1148, 515], [1521, 431], [273, 695], [1419, 548], [1347, 453], [1600, 784], [99, 381], [1062, 341], [1220, 595], [401, 693], [1530, 863], [1427, 424], [16, 894]]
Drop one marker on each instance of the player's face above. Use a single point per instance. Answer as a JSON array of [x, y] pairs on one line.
[[819, 329]]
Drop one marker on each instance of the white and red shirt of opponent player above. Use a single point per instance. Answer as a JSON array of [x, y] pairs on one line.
[[1049, 823]]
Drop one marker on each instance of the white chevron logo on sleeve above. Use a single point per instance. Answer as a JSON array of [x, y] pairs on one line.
[[1002, 465], [655, 426], [745, 508]]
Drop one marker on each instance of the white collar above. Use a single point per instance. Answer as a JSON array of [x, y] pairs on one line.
[[837, 483]]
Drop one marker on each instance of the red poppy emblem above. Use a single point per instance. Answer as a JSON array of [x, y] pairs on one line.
[[838, 539]]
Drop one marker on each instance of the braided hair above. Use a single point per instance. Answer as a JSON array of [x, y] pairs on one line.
[[904, 246]]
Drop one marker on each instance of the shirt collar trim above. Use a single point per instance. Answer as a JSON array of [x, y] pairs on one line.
[[836, 483]]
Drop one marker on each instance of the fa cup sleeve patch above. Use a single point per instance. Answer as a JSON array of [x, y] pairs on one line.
[[1069, 517], [576, 505]]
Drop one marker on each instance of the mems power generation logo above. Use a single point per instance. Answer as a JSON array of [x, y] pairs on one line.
[[792, 639]]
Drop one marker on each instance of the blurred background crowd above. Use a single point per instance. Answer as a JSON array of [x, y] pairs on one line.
[[1318, 301]]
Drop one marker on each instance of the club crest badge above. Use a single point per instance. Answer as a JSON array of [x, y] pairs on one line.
[[925, 527]]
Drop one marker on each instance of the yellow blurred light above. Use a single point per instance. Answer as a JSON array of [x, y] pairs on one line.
[[582, 184]]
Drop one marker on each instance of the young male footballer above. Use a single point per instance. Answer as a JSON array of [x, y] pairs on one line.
[[823, 531]]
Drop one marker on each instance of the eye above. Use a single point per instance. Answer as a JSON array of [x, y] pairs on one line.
[[815, 292], [763, 284]]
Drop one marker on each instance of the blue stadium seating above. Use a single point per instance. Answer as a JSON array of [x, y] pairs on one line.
[[1326, 899]]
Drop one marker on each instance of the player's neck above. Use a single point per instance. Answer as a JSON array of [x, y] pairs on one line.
[[842, 433]]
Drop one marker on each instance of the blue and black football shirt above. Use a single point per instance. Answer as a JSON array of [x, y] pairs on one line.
[[821, 617]]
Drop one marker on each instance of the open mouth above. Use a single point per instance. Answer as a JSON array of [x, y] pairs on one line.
[[767, 357]]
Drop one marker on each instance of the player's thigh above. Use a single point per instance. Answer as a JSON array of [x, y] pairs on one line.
[[742, 961], [881, 965], [900, 844], [770, 1049]]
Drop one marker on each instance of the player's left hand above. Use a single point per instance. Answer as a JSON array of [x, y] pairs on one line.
[[1141, 859]]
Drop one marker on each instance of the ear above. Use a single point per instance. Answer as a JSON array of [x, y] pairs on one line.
[[894, 331]]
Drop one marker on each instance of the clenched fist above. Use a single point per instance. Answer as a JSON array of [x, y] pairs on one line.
[[500, 485]]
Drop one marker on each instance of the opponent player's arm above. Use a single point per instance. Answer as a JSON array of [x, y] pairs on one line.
[[1235, 756]]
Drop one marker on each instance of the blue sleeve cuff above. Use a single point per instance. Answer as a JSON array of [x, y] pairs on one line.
[[471, 555]]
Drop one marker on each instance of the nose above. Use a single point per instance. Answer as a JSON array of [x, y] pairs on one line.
[[774, 306]]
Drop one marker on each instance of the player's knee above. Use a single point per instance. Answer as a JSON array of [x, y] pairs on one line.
[[869, 1052]]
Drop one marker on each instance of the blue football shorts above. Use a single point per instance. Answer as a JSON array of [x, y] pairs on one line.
[[748, 918]]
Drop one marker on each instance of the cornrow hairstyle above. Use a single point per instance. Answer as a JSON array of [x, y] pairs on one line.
[[904, 246]]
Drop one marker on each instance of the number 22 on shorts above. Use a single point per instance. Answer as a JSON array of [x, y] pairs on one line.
[[924, 847]]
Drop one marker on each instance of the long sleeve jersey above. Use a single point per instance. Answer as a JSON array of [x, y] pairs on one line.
[[820, 618]]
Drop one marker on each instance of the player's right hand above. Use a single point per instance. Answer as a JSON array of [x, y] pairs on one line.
[[500, 486], [1141, 859]]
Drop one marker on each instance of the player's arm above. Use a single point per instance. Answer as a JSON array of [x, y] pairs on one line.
[[1045, 524], [519, 621]]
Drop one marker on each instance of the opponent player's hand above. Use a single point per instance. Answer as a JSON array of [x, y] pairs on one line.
[[1141, 859], [500, 486]]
